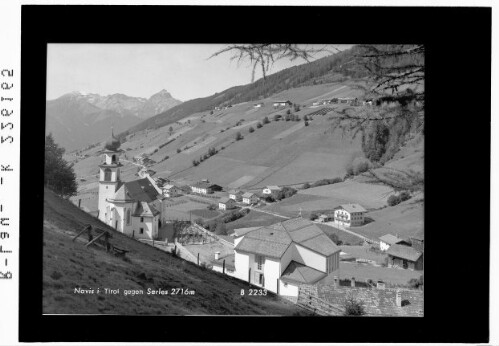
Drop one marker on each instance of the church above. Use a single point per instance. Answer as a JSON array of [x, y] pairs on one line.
[[135, 208]]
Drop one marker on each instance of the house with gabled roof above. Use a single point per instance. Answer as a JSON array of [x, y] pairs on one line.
[[226, 203], [282, 256], [170, 190], [205, 187], [268, 190], [134, 208], [236, 195], [388, 240], [249, 198], [405, 257], [417, 241], [351, 214]]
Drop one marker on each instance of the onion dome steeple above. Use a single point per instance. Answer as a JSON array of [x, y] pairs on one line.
[[112, 143]]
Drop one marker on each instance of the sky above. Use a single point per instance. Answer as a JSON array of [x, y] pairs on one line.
[[141, 70]]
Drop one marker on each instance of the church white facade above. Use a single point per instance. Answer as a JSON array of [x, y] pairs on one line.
[[135, 208]]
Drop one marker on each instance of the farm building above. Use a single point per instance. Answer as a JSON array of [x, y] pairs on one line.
[[236, 195], [282, 103], [170, 190], [258, 105], [283, 256], [389, 239], [347, 100], [325, 217], [160, 182], [250, 198], [349, 214], [268, 190], [144, 172], [226, 203], [417, 241], [205, 187], [405, 257]]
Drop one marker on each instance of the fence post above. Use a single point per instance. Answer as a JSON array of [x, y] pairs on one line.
[[277, 286], [223, 267], [79, 203], [249, 276], [198, 258]]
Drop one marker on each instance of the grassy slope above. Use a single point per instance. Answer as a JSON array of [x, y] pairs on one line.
[[69, 264]]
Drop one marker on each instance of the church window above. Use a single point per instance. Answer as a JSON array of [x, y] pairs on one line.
[[141, 231], [107, 174], [141, 219], [128, 217], [113, 159]]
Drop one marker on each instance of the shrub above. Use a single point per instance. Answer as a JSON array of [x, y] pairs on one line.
[[334, 238], [259, 125], [306, 123], [404, 196], [393, 200], [288, 111], [305, 186], [313, 216], [199, 221], [277, 117], [212, 207], [179, 150], [287, 118], [251, 129], [195, 163], [354, 307], [56, 275], [266, 120], [239, 136]]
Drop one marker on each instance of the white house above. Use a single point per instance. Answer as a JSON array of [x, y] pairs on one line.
[[388, 240], [349, 215], [236, 195], [282, 103], [258, 105], [205, 187], [226, 203], [268, 190], [283, 256], [135, 208], [170, 190], [250, 198]]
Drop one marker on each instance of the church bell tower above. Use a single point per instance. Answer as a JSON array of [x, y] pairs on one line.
[[109, 175]]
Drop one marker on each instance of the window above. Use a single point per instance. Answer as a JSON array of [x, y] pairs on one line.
[[141, 219], [260, 260], [285, 284], [128, 217], [107, 174], [141, 230]]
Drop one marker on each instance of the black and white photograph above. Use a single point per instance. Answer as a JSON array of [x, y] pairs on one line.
[[226, 173], [236, 179]]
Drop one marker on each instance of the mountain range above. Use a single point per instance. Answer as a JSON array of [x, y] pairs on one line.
[[77, 119]]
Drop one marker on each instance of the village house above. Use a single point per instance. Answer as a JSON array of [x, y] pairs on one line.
[[389, 239], [236, 195], [250, 198], [226, 203], [258, 105], [417, 241], [205, 187], [283, 256], [144, 172], [405, 257], [282, 103], [268, 190], [135, 208], [170, 190], [349, 215]]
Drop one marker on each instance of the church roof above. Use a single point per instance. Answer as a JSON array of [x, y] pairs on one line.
[[137, 190], [145, 209]]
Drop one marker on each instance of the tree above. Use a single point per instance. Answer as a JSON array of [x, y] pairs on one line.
[[59, 175], [220, 228], [178, 150], [393, 200], [170, 130], [313, 216], [239, 136], [305, 186], [288, 111], [259, 125], [306, 123], [251, 129], [195, 163], [266, 120], [277, 117], [354, 307]]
